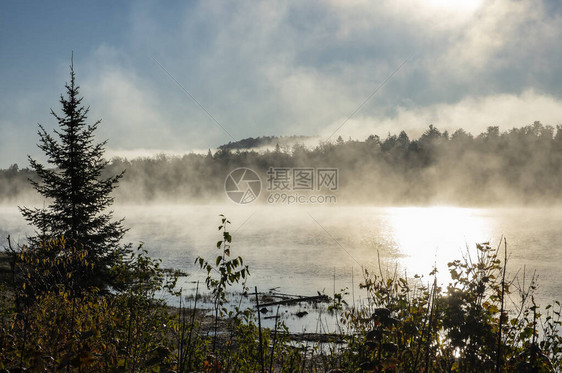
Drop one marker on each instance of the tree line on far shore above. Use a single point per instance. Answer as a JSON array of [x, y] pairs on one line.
[[521, 165]]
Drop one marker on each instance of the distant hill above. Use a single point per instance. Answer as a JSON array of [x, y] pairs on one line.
[[264, 141]]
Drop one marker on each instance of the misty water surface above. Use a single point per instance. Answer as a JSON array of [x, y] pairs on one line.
[[298, 249]]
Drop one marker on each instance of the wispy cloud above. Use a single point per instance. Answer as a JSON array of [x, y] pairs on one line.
[[474, 113], [299, 68]]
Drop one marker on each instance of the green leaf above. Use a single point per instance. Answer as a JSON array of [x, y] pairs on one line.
[[227, 237], [454, 274]]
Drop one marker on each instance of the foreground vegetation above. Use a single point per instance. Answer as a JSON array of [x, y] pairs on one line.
[[407, 325]]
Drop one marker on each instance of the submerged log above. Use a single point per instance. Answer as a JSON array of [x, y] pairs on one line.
[[315, 299], [317, 337]]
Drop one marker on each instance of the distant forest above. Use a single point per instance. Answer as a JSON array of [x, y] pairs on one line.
[[264, 141], [521, 166]]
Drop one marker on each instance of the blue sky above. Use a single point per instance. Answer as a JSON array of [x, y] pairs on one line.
[[276, 68]]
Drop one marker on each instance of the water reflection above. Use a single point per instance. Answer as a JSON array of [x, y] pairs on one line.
[[428, 236], [298, 249]]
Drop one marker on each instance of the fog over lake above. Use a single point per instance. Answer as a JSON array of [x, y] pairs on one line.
[[297, 249]]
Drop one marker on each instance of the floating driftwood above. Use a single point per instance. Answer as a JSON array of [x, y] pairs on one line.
[[315, 299], [317, 337]]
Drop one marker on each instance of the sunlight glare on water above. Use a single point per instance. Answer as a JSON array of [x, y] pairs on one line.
[[428, 236]]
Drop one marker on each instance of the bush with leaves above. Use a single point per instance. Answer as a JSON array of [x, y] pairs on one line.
[[409, 325], [222, 273], [58, 328]]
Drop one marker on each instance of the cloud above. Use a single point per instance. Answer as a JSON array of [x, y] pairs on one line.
[[278, 68], [474, 114], [131, 113], [136, 113], [152, 152], [302, 68]]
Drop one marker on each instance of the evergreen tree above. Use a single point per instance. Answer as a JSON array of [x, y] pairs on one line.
[[77, 194]]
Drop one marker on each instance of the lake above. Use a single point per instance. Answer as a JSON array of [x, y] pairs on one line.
[[302, 250]]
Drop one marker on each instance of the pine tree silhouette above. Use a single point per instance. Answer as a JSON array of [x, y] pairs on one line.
[[76, 193]]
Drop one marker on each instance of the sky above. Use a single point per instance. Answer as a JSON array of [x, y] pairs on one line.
[[181, 76]]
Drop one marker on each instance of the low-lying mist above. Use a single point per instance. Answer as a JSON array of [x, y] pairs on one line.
[[521, 166]]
